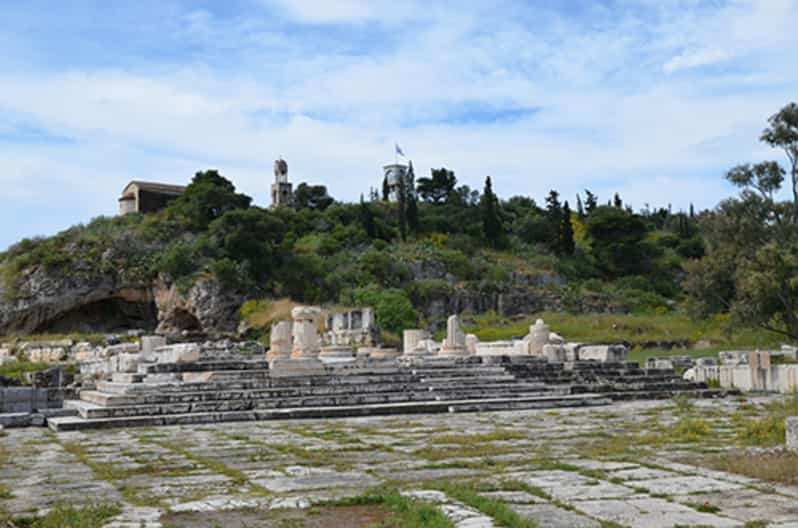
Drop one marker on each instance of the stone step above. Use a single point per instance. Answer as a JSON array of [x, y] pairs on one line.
[[112, 398], [425, 407], [200, 366], [90, 409], [477, 370]]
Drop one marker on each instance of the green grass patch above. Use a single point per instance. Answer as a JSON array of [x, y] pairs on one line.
[[495, 509], [17, 369], [405, 512], [766, 428], [636, 329], [62, 516]]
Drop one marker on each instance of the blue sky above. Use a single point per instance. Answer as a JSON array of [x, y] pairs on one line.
[[653, 99]]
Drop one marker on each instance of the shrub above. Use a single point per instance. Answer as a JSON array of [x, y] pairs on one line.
[[392, 307]]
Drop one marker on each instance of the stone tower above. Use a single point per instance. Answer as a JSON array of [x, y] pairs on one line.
[[282, 190]]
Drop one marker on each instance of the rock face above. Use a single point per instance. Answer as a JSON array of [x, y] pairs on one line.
[[45, 302], [207, 306]]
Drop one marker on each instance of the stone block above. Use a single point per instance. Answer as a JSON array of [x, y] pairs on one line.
[[5, 352], [182, 353], [791, 429], [46, 378], [149, 344], [497, 348], [603, 353], [706, 362], [127, 363], [555, 353], [7, 359], [284, 368]]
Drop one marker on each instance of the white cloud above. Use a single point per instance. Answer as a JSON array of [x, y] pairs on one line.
[[612, 117]]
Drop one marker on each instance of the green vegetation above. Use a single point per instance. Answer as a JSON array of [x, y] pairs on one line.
[[683, 276], [17, 369], [767, 428], [405, 512], [63, 516], [494, 509]]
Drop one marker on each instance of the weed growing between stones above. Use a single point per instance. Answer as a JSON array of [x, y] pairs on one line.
[[766, 428], [92, 516], [780, 466], [495, 509], [406, 512]]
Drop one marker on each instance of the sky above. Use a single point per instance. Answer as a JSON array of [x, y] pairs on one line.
[[653, 99]]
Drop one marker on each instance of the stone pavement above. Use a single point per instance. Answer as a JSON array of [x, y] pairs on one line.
[[562, 468]]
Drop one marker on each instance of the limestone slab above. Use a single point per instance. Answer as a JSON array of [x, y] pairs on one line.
[[652, 513]]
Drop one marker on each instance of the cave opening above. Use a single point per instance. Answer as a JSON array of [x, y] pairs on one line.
[[104, 316], [184, 320]]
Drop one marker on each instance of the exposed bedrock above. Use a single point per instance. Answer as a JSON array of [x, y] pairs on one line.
[[54, 303]]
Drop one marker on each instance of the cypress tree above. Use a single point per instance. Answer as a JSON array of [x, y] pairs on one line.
[[491, 223], [367, 219], [566, 245], [580, 210], [401, 195], [412, 201], [386, 194]]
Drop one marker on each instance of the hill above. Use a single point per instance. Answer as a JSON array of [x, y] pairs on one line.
[[437, 250]]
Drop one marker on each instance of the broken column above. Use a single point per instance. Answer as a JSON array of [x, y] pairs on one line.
[[306, 346], [455, 343], [537, 338], [280, 342], [412, 342]]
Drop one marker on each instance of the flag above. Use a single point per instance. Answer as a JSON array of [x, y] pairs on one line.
[[399, 150]]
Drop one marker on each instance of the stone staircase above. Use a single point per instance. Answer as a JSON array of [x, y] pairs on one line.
[[621, 380], [244, 389]]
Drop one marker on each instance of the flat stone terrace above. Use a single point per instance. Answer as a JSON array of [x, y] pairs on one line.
[[576, 467]]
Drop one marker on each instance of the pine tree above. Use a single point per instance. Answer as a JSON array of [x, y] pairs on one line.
[[617, 202], [491, 223], [566, 242]]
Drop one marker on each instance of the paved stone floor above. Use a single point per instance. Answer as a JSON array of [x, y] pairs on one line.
[[587, 467]]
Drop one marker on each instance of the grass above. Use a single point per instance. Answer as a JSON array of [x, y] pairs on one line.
[[406, 512], [17, 369], [494, 509], [777, 467], [767, 428], [637, 329], [62, 516]]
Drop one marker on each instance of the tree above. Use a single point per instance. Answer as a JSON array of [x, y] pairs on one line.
[[209, 196], [566, 244], [783, 133], [591, 201], [367, 219], [617, 202], [312, 197], [616, 241], [580, 209], [751, 255], [401, 199], [251, 237], [386, 190], [411, 201], [491, 222], [437, 188]]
